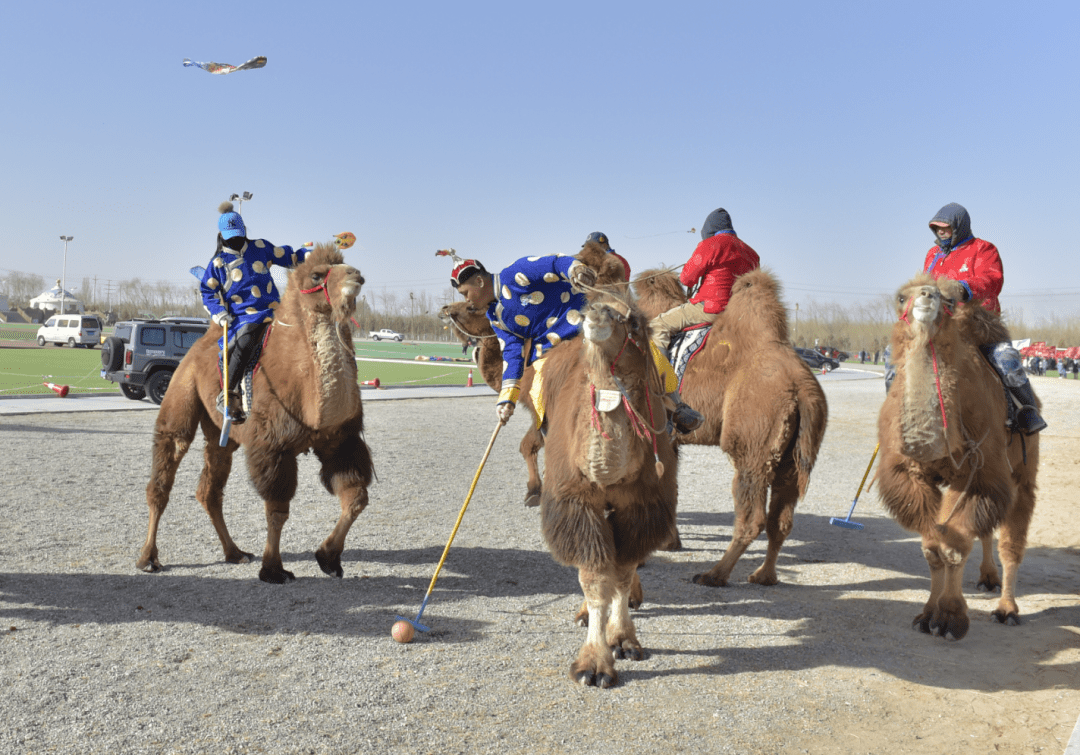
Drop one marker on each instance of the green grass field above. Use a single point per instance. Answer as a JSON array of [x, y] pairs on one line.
[[23, 371]]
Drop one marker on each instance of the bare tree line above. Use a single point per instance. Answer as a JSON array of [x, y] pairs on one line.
[[415, 314]]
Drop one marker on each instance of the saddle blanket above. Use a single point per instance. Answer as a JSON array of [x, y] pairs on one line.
[[685, 345]]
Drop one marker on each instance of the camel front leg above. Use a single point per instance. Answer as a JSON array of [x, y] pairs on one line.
[[621, 635], [595, 664], [273, 570], [273, 473], [637, 597], [346, 472], [749, 494], [945, 613]]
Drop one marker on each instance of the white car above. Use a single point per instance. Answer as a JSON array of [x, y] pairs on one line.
[[81, 330], [386, 334]]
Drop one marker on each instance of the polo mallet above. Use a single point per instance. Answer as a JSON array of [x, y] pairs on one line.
[[227, 424], [416, 622], [847, 523]]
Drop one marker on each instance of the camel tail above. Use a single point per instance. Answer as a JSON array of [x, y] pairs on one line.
[[813, 417]]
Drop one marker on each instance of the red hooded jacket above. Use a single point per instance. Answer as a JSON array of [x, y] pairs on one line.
[[713, 268], [976, 264]]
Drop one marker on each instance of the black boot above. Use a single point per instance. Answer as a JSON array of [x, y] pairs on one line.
[[1028, 420], [685, 419]]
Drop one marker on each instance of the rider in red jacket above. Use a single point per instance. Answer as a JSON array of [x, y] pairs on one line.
[[975, 264], [719, 259]]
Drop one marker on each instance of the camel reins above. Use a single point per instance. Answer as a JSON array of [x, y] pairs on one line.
[[321, 287]]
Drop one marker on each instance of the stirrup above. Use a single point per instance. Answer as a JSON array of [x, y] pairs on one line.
[[1029, 421]]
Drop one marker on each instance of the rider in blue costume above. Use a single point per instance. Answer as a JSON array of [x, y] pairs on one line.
[[237, 290], [534, 304]]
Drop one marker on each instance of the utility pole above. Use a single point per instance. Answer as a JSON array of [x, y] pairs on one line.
[[63, 283]]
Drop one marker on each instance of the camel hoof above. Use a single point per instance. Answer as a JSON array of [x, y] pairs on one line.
[[952, 628], [768, 580], [277, 576], [148, 566], [708, 580], [628, 652], [987, 585], [1011, 619], [532, 500], [329, 564], [590, 679], [240, 557], [921, 623]]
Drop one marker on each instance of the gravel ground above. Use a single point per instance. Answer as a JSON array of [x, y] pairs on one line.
[[98, 657]]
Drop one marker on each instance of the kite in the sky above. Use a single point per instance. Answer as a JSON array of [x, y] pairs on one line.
[[222, 68]]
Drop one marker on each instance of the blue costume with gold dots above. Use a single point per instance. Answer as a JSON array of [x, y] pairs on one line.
[[239, 283], [535, 308]]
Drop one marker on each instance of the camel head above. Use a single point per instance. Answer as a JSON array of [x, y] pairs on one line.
[[466, 320], [324, 284], [610, 320], [658, 290], [923, 301]]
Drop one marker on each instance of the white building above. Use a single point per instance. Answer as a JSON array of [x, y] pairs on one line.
[[51, 300]]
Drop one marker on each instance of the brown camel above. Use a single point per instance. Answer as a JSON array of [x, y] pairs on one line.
[[762, 406], [943, 426], [610, 490], [306, 397]]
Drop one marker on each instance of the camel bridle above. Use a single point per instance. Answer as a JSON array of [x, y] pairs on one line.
[[321, 287], [641, 428]]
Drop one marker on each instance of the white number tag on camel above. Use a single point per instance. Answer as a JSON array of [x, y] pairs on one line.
[[607, 400]]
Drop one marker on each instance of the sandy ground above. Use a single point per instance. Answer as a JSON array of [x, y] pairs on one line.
[[202, 657]]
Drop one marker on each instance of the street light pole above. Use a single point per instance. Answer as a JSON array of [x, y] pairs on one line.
[[63, 280], [240, 199]]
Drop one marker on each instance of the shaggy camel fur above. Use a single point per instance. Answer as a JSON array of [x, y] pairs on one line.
[[306, 397], [610, 490], [943, 426], [762, 406]]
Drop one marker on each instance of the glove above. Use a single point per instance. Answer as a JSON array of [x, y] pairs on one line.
[[505, 411], [582, 275], [224, 318]]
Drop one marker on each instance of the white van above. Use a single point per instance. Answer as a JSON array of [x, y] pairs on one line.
[[82, 330]]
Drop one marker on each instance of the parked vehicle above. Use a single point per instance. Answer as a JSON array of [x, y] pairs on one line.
[[817, 360], [141, 355], [74, 330], [386, 335]]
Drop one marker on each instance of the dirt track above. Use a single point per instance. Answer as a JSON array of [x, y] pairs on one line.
[[98, 657]]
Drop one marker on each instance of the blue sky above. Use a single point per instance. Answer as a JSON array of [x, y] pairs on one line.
[[832, 132]]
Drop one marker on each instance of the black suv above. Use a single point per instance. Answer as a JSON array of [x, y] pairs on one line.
[[141, 355]]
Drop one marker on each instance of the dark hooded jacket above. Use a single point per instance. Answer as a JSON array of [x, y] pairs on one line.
[[973, 262], [719, 259]]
